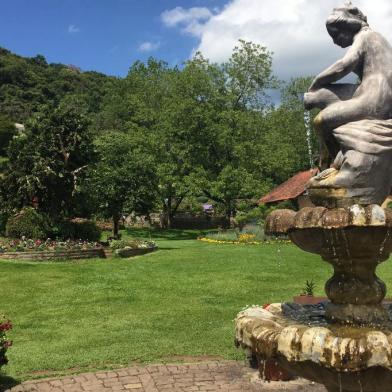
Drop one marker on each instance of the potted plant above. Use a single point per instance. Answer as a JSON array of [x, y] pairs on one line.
[[307, 295]]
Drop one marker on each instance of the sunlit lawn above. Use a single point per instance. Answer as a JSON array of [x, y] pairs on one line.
[[178, 301]]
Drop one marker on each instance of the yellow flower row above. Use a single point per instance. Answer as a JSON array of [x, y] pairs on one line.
[[212, 241], [246, 237]]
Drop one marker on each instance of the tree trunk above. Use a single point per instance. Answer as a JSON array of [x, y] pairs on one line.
[[116, 226], [228, 215], [169, 221], [167, 212]]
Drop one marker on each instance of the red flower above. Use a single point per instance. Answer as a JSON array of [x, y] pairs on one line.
[[6, 326]]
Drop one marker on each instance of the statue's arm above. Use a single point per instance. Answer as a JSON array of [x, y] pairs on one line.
[[341, 68]]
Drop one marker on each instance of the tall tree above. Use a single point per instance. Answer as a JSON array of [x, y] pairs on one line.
[[230, 170], [47, 162], [123, 180]]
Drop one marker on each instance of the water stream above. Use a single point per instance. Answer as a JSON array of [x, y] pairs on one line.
[[308, 128]]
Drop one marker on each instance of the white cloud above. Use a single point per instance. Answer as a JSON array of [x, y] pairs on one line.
[[149, 46], [72, 29], [293, 29], [191, 19]]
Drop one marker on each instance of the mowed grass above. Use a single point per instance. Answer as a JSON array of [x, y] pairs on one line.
[[178, 301]]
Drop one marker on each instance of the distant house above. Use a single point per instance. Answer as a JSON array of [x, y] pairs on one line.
[[293, 189]]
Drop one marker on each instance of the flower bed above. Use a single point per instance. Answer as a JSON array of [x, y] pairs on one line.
[[251, 235], [26, 249], [5, 326], [27, 245], [37, 250]]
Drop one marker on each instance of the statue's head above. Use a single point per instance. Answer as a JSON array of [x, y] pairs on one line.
[[344, 23]]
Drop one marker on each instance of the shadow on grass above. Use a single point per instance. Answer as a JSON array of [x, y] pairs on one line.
[[164, 234], [7, 382], [167, 248]]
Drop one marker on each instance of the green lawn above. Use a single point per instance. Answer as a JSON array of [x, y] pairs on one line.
[[178, 301]]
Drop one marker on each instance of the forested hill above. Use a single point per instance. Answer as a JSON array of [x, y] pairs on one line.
[[28, 83]]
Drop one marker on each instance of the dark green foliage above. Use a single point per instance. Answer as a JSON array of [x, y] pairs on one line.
[[164, 135], [28, 83], [7, 132], [123, 180], [47, 162], [87, 231], [28, 223], [3, 221], [77, 230]]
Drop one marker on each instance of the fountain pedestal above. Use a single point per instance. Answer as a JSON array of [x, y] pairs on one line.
[[345, 344], [355, 241]]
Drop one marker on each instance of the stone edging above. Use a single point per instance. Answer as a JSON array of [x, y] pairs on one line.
[[71, 254]]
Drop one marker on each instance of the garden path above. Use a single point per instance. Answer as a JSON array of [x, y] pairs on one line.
[[230, 376]]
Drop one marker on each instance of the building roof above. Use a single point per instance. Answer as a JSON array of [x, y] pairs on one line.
[[290, 189]]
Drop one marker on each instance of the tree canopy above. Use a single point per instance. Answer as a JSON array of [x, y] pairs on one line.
[[151, 140]]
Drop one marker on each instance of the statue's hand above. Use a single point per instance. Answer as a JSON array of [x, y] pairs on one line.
[[308, 104]]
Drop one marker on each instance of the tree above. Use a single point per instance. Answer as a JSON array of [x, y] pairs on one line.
[[198, 121], [28, 83], [123, 180], [48, 161], [7, 132], [154, 103], [230, 170]]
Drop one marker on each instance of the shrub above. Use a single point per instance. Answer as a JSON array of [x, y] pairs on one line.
[[258, 214], [223, 235], [254, 229], [5, 326], [249, 234], [78, 230], [87, 231], [28, 223], [3, 221], [131, 243]]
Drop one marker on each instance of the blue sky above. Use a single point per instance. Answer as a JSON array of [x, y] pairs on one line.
[[102, 35], [109, 35]]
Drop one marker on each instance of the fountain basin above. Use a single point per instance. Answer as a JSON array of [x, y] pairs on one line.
[[355, 240], [300, 340]]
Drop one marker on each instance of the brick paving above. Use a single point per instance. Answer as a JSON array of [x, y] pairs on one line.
[[230, 376]]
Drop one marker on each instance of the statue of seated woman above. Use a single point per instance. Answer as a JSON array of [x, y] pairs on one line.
[[355, 123]]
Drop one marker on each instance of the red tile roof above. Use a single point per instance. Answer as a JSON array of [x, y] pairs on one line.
[[290, 189]]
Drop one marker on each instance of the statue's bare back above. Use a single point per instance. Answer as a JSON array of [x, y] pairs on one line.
[[354, 149]]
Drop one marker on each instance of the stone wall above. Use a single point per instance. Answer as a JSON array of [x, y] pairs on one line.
[[55, 255], [182, 220]]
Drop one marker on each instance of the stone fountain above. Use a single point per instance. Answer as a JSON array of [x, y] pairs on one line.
[[345, 343]]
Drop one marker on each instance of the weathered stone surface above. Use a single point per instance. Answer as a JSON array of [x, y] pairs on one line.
[[354, 125], [279, 222], [318, 352], [285, 221]]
